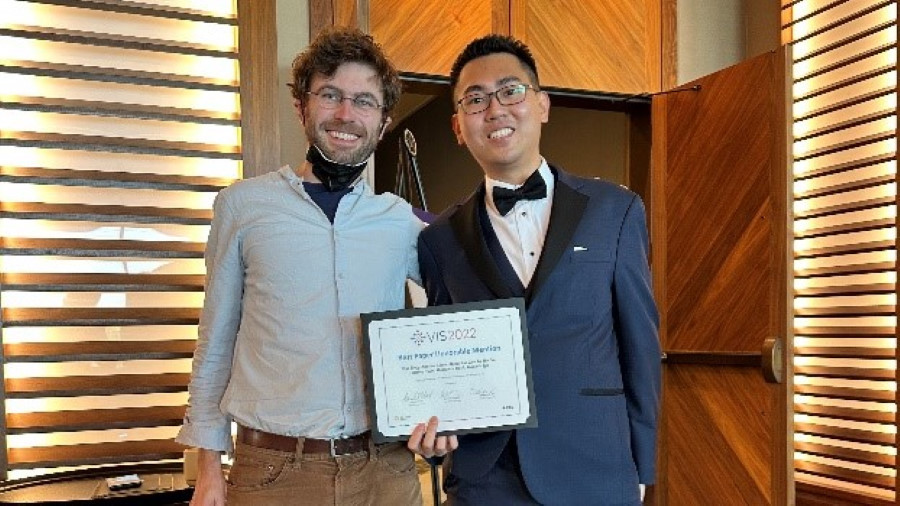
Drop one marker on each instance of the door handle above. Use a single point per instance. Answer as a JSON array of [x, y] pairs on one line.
[[772, 360]]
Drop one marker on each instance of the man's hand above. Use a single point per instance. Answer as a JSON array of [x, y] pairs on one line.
[[425, 441], [210, 487]]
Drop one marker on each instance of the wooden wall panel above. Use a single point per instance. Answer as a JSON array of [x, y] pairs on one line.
[[605, 45], [259, 83], [717, 262], [712, 403], [426, 36]]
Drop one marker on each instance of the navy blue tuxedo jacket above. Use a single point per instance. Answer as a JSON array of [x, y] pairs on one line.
[[593, 335]]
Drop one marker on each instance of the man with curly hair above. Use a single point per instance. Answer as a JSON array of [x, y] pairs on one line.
[[294, 256]]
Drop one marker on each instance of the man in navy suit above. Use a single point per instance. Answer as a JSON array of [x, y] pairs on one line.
[[577, 250]]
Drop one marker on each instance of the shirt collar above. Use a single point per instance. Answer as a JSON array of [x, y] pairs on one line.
[[543, 170], [361, 186]]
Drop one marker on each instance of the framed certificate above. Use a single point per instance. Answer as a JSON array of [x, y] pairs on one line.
[[467, 364]]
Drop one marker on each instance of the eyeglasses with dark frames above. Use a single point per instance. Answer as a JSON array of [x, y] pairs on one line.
[[477, 101]]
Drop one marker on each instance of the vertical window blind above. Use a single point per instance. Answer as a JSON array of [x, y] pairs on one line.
[[844, 158], [119, 121]]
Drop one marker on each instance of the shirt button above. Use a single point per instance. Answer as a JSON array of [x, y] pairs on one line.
[[524, 213], [531, 253]]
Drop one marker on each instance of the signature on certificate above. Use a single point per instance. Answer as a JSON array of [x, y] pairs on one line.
[[451, 396], [483, 393], [417, 398]]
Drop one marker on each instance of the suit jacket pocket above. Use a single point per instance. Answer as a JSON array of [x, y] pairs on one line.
[[588, 254], [593, 392]]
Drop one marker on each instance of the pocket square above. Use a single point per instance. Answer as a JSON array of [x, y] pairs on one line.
[[579, 248]]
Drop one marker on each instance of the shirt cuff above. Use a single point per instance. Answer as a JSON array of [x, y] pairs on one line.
[[208, 437]]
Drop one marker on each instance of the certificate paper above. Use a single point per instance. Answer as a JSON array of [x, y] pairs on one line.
[[467, 364]]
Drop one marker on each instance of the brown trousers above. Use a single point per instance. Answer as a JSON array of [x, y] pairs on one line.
[[383, 476]]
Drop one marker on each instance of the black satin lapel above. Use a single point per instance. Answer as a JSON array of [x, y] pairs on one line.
[[565, 215], [468, 232]]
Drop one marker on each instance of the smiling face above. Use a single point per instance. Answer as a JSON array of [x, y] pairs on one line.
[[504, 139], [345, 134]]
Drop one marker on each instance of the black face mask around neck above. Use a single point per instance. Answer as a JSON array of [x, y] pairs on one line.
[[335, 176]]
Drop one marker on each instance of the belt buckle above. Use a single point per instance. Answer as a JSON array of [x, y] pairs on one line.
[[331, 448]]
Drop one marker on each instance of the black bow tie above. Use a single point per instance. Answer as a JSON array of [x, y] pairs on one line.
[[533, 189]]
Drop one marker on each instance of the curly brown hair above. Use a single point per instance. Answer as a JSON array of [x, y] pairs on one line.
[[335, 46]]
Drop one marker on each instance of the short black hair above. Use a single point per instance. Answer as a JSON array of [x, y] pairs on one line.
[[492, 44]]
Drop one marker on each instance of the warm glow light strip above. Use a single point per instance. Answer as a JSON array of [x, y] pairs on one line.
[[25, 192], [804, 245], [829, 181], [815, 112], [14, 156], [50, 229], [801, 361], [13, 299], [874, 342], [215, 67], [62, 334], [805, 166], [86, 403], [21, 474], [845, 486], [90, 437], [95, 368], [192, 128], [886, 407], [225, 137], [866, 468], [877, 386], [839, 443], [217, 35], [19, 86], [856, 300], [839, 11], [805, 47]]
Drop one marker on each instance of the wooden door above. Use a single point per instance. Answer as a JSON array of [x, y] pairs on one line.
[[600, 45], [719, 187]]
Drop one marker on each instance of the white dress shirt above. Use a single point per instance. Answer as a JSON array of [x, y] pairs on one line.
[[521, 232]]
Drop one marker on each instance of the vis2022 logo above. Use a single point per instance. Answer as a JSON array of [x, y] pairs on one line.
[[440, 336]]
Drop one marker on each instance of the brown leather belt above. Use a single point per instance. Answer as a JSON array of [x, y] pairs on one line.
[[334, 447]]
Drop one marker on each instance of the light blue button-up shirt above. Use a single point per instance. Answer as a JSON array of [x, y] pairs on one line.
[[280, 341]]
